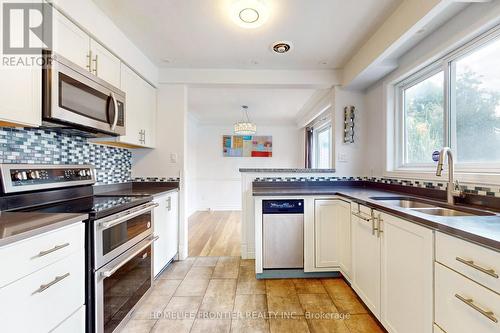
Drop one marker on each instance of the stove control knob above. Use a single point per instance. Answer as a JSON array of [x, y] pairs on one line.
[[18, 176], [81, 173], [88, 172], [33, 175]]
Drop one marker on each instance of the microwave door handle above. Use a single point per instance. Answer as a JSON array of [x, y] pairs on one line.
[[115, 118]]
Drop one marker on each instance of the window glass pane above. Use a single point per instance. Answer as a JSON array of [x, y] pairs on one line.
[[477, 105], [323, 148], [424, 119]]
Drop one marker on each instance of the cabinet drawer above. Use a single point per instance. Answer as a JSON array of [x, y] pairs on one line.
[[74, 324], [476, 262], [41, 301], [25, 257], [463, 305]]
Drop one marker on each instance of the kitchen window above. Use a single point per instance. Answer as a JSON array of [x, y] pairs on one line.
[[454, 102], [322, 146]]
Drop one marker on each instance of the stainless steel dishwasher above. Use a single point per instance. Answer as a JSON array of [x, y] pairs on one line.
[[283, 233]]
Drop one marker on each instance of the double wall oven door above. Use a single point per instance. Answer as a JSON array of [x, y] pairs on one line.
[[122, 264], [73, 96]]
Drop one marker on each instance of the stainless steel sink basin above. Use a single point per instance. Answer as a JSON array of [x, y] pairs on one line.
[[438, 211], [428, 208], [404, 202]]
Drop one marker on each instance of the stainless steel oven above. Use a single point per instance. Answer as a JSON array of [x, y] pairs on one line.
[[123, 270], [75, 98], [120, 284]]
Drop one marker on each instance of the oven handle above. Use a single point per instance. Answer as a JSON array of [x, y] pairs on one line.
[[109, 224], [120, 265], [115, 120]]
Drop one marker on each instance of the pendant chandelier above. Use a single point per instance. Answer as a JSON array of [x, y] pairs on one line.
[[245, 126]]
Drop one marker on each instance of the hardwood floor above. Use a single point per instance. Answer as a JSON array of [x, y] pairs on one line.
[[215, 233], [221, 294]]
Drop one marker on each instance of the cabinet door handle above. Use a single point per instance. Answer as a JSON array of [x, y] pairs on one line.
[[491, 272], [95, 65], [470, 302], [379, 226], [169, 203], [367, 219], [54, 249], [44, 287], [89, 61]]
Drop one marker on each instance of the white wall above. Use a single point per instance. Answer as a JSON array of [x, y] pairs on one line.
[[192, 165], [218, 181], [349, 157]]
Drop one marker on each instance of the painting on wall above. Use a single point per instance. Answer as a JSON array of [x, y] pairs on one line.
[[247, 146]]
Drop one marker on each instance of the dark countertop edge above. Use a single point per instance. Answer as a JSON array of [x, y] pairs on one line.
[[489, 243], [283, 170], [71, 219], [129, 188]]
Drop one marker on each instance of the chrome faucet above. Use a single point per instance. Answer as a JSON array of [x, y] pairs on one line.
[[453, 188]]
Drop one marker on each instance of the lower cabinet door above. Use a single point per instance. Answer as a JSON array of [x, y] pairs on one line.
[[366, 263], [406, 276], [463, 305], [172, 221], [326, 233], [160, 230], [74, 324], [41, 301]]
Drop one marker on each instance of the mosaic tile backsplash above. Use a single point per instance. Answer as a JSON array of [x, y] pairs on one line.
[[37, 146], [466, 188]]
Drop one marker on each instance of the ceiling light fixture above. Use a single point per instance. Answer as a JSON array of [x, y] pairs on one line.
[[245, 126], [281, 47], [249, 13]]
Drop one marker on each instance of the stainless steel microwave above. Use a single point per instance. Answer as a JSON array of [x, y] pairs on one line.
[[74, 98]]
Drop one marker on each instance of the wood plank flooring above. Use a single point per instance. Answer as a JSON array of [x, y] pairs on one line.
[[221, 294], [215, 233]]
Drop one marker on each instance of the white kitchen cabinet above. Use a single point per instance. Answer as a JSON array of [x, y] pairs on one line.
[[47, 296], [140, 112], [104, 64], [332, 234], [462, 305], [366, 261], [166, 227], [74, 324], [406, 275], [70, 41], [21, 95]]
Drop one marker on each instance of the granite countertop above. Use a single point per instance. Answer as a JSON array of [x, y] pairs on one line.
[[16, 226], [278, 170], [483, 230]]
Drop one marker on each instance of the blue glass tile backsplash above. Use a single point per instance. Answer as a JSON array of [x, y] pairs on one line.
[[37, 146]]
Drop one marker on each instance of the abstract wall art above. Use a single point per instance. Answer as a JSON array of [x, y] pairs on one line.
[[247, 146]]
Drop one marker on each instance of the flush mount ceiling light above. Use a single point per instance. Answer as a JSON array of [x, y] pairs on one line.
[[245, 126], [281, 47], [249, 13]]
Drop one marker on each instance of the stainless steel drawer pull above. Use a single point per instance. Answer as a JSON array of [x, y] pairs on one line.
[[491, 272], [44, 287], [367, 219], [54, 249], [470, 302]]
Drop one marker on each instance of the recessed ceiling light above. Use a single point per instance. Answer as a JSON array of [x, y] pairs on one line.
[[249, 13], [281, 47]]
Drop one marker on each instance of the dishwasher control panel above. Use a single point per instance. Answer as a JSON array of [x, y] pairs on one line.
[[295, 206]]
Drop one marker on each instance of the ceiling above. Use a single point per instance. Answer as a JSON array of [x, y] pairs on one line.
[[265, 105], [201, 34]]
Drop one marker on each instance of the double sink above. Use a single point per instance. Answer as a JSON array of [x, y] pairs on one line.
[[428, 208]]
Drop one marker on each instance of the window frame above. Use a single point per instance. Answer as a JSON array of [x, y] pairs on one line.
[[327, 125], [444, 64]]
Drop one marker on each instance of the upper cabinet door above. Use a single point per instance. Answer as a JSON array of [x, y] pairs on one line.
[[104, 64], [70, 41], [21, 95], [130, 84]]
